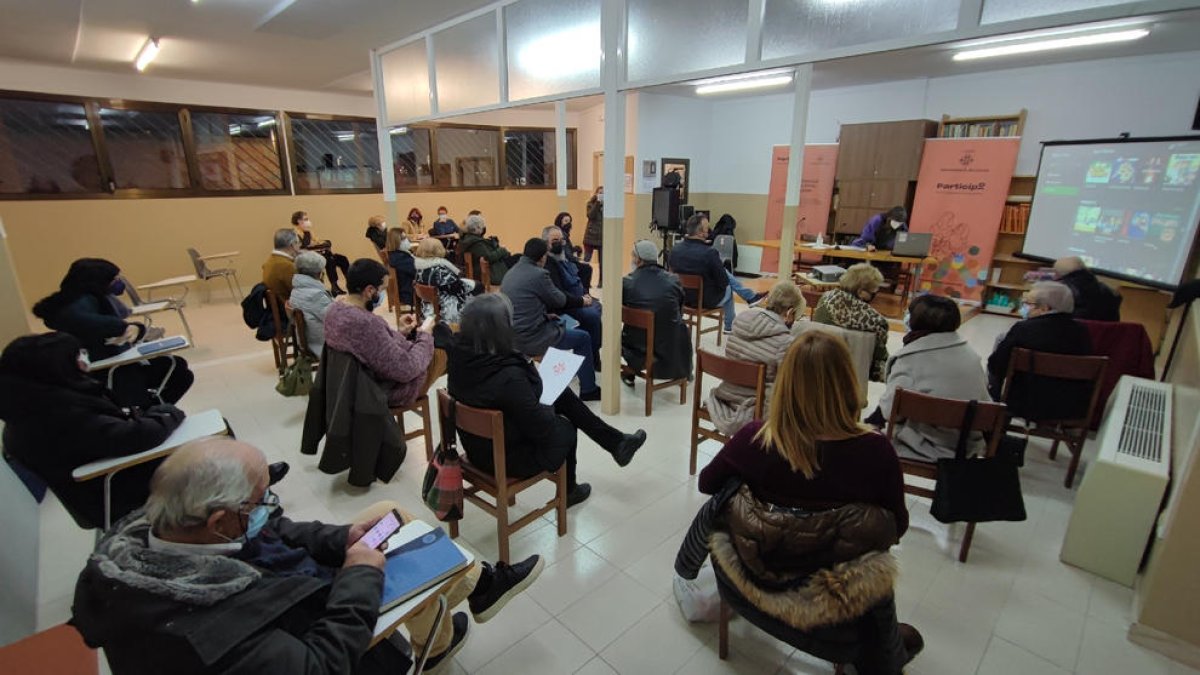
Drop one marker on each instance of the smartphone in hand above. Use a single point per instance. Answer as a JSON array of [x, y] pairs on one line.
[[383, 530]]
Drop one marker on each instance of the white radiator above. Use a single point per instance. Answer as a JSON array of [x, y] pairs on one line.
[[1121, 494]]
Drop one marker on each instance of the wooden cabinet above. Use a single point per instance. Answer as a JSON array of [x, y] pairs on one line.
[[877, 169]]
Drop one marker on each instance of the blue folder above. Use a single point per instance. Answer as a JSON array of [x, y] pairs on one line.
[[160, 345], [418, 565]]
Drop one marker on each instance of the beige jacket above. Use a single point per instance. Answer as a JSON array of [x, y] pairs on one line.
[[759, 336]]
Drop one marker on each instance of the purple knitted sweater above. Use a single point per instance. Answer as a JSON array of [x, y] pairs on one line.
[[398, 363]]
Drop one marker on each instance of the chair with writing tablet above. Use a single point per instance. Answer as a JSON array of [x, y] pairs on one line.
[[205, 273], [148, 309]]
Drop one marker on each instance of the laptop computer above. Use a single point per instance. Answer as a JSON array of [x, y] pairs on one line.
[[912, 244]]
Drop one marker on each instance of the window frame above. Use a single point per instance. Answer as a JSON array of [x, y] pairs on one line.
[[93, 119], [288, 116], [501, 158], [189, 143]]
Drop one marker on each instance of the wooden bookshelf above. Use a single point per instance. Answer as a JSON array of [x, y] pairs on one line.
[[1007, 275], [988, 126]]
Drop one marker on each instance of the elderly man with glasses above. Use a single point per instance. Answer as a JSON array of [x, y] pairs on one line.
[[211, 578]]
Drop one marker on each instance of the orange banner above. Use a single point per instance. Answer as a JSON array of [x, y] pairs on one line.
[[816, 193], [961, 191]]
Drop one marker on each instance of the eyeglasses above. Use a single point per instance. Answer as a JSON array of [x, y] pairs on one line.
[[269, 500]]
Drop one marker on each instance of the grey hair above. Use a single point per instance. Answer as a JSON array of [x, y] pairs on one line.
[[548, 229], [1065, 266], [185, 493], [473, 224], [310, 263], [1055, 296], [285, 238]]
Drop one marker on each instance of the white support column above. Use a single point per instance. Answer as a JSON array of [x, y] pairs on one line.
[[502, 57], [387, 160], [969, 14], [560, 153], [791, 201], [612, 30], [754, 31]]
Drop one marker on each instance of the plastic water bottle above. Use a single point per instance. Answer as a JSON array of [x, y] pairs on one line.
[[820, 239]]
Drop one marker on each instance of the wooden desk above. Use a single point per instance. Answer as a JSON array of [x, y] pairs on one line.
[[851, 254], [200, 425]]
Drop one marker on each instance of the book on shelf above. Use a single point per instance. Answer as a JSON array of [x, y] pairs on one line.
[[980, 129], [1015, 218]]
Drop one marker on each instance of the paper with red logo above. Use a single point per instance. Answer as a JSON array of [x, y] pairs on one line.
[[557, 369]]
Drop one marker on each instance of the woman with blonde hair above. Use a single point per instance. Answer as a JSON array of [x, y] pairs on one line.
[[433, 269], [760, 335], [804, 541], [849, 307]]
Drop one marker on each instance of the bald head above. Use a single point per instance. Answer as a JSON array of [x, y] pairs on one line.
[[202, 478], [1064, 266]]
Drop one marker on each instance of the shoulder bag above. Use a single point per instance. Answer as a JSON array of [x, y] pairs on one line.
[[976, 489], [442, 488]]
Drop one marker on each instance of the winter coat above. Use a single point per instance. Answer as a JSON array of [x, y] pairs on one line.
[[508, 383], [593, 235], [533, 296], [807, 568], [1094, 299], [350, 408], [377, 237], [405, 265], [159, 612], [278, 271], [693, 256], [52, 430], [92, 319], [564, 274], [652, 287], [845, 310], [759, 336], [937, 364], [878, 233], [1042, 397], [485, 249], [453, 291], [313, 300], [396, 362]]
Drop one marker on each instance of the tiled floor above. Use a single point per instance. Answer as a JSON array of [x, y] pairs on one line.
[[604, 603]]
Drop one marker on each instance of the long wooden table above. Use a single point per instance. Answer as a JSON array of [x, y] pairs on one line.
[[854, 254]]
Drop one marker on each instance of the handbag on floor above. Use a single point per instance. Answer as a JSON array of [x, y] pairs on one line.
[[442, 488], [976, 489], [297, 378], [698, 599]]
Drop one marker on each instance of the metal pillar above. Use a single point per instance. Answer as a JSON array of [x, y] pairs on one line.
[[787, 235], [560, 153]]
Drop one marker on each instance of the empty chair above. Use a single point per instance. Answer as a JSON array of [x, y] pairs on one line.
[[725, 245], [644, 319], [147, 309], [204, 273]]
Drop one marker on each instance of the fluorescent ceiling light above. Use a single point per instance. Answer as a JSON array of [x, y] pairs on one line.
[[345, 135], [572, 51], [144, 57], [267, 123], [398, 131], [1054, 43], [743, 82]]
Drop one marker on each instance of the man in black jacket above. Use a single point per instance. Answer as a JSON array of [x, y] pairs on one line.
[[1094, 300], [210, 578], [651, 287], [693, 255], [564, 274], [1047, 327]]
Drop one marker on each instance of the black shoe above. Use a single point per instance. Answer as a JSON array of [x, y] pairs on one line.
[[504, 582], [623, 453], [593, 395], [758, 297], [337, 290], [579, 495], [913, 642], [461, 624], [277, 471], [628, 379]]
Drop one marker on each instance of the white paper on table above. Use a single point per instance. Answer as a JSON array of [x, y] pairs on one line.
[[557, 369]]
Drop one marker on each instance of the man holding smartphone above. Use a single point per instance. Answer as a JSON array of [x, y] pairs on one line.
[[211, 578]]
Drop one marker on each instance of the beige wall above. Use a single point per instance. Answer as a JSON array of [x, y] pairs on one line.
[[148, 238], [14, 321]]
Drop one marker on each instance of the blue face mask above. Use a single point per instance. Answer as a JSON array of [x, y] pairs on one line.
[[907, 327], [256, 521], [1024, 310]]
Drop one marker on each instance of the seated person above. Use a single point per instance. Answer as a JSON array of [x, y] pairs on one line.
[[412, 226], [810, 456], [485, 370], [86, 306], [651, 287], [433, 269], [937, 361], [1046, 326], [310, 297], [693, 255], [446, 231], [564, 274], [563, 222], [280, 266], [308, 242], [536, 305], [725, 226], [212, 578], [880, 231], [849, 306], [400, 258], [377, 231], [489, 249], [760, 335], [1094, 300], [57, 419], [397, 361]]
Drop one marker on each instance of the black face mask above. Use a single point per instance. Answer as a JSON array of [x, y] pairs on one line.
[[556, 248], [375, 301]]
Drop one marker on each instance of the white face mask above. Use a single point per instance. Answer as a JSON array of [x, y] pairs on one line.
[[896, 224], [600, 197], [907, 327], [405, 245], [84, 361], [306, 224], [442, 217]]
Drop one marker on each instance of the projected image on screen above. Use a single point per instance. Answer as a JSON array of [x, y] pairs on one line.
[[1129, 208]]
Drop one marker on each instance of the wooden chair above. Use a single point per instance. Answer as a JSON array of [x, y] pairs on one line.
[[485, 271], [301, 328], [910, 406], [694, 316], [489, 424], [733, 371], [393, 293], [644, 319], [283, 344], [427, 295], [812, 297], [1073, 431]]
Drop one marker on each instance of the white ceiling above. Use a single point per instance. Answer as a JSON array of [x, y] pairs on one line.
[[303, 44]]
